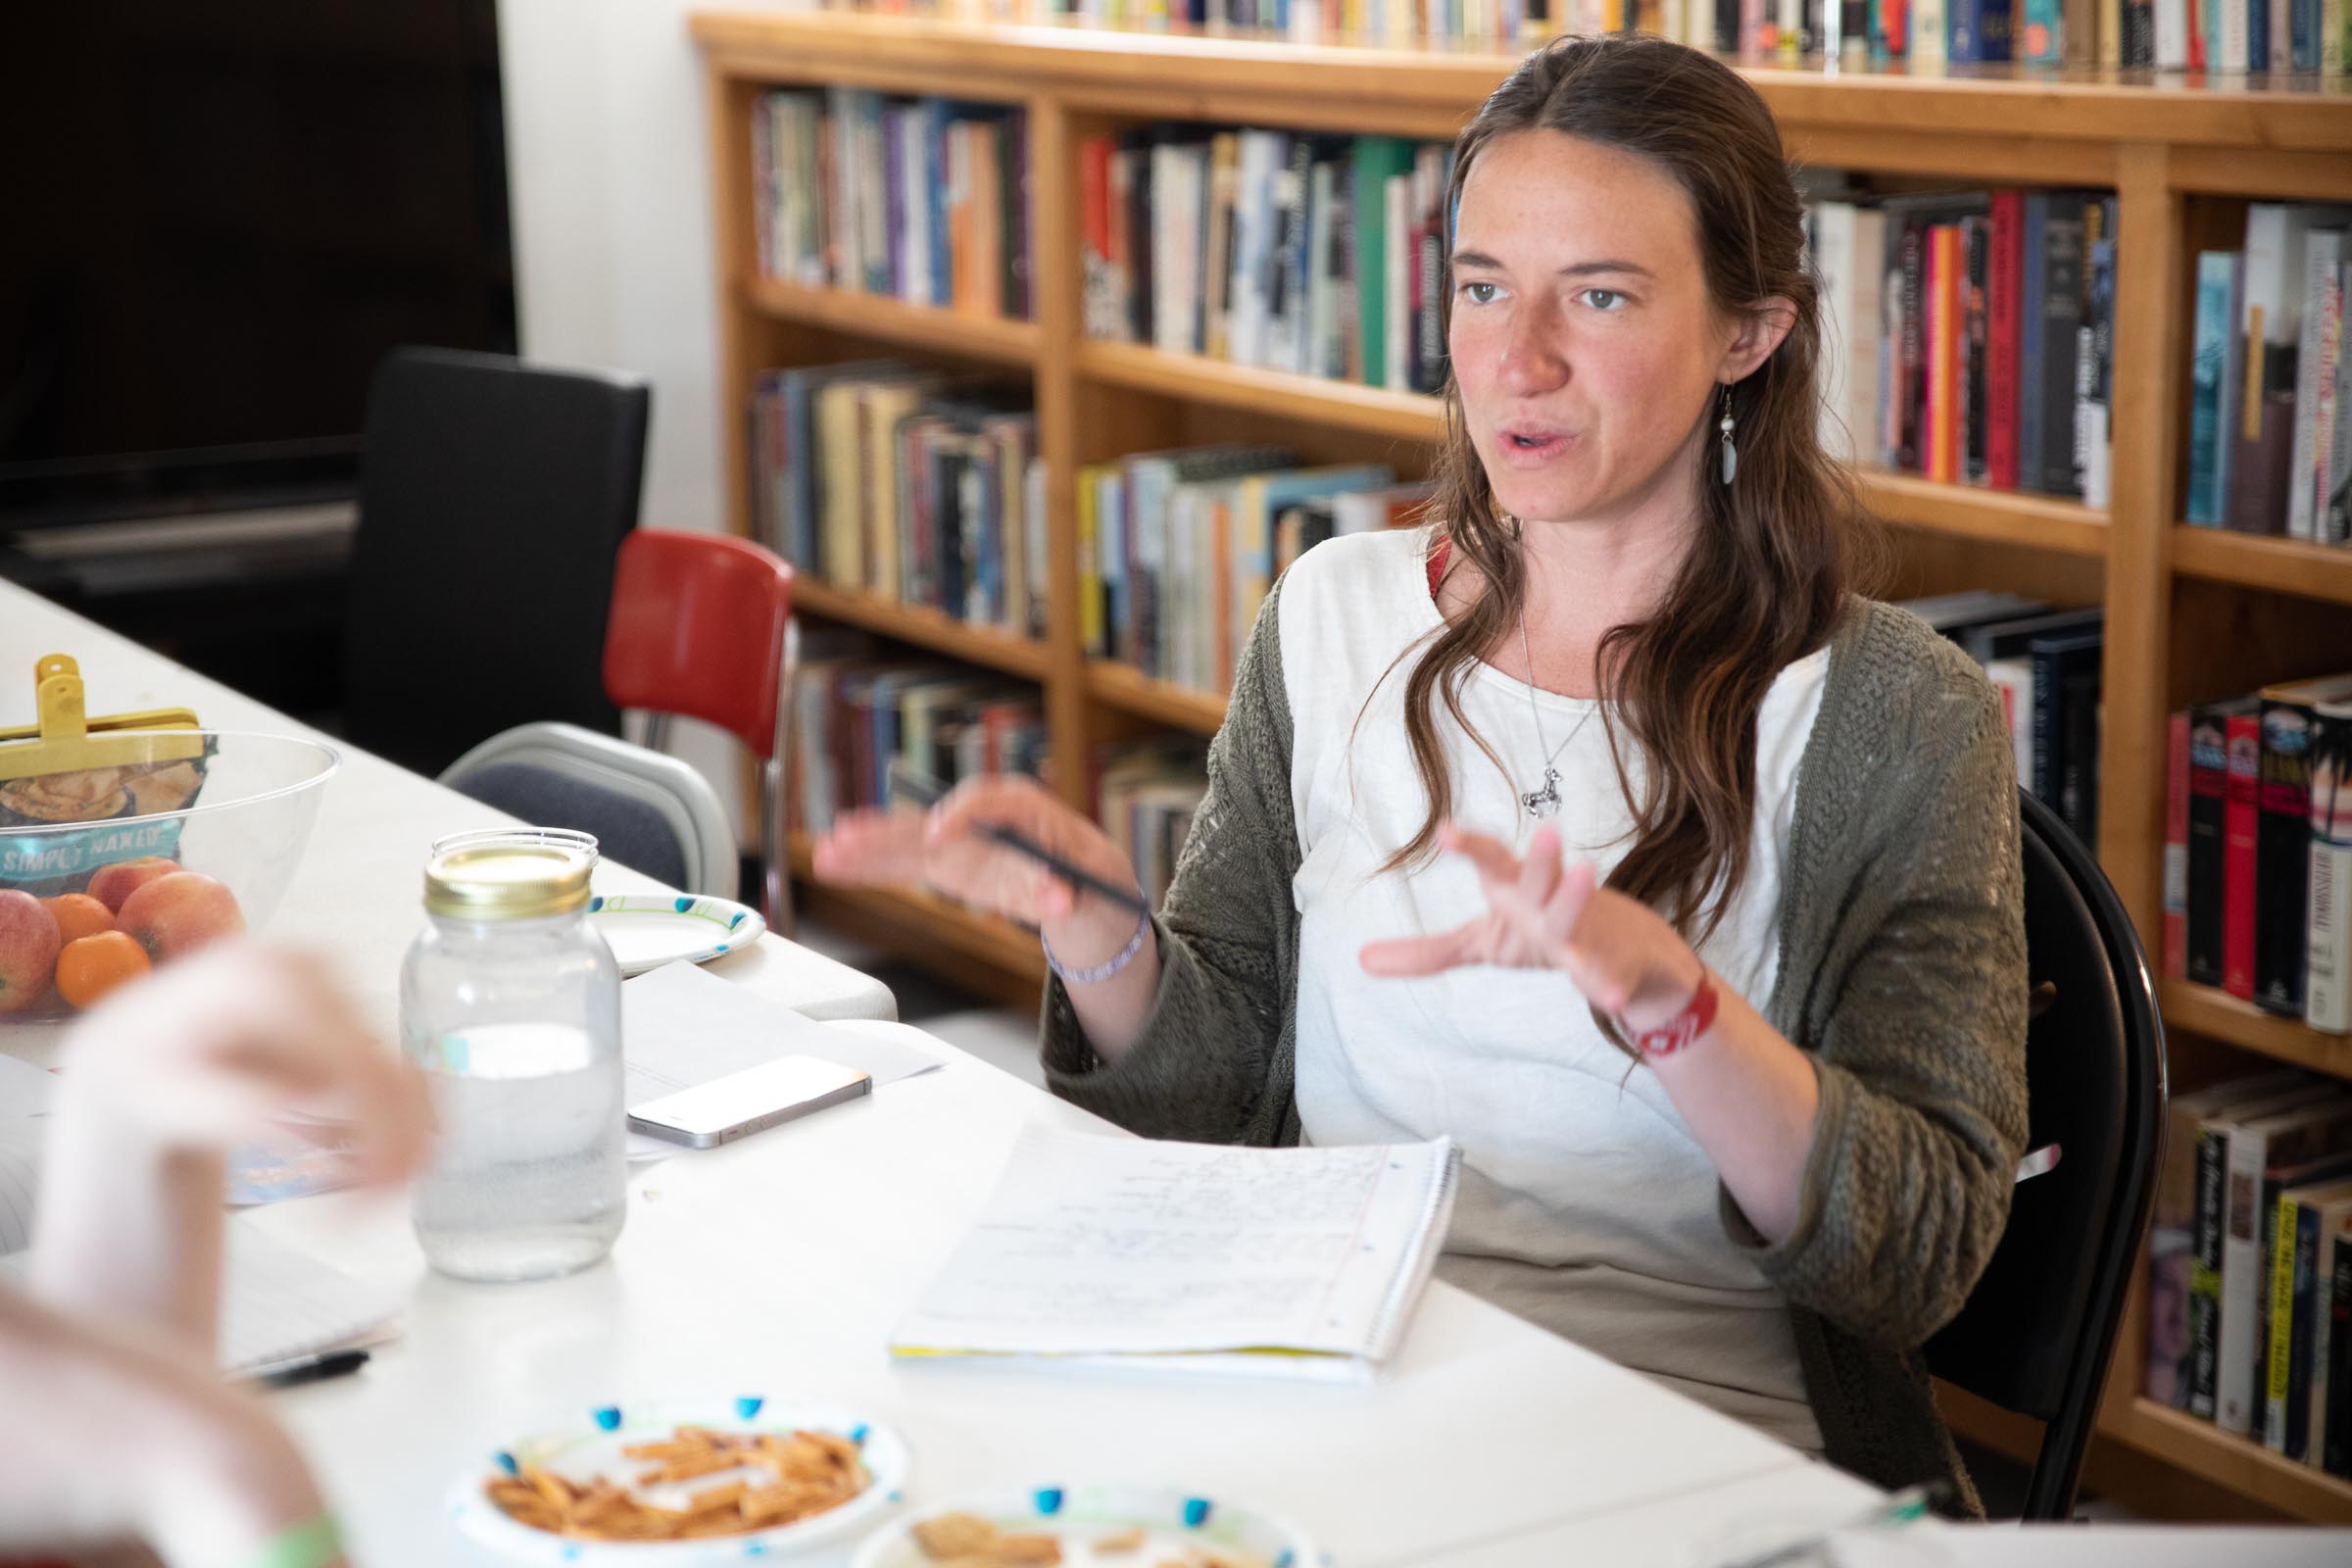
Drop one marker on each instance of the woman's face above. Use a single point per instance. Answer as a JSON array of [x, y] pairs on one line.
[[1584, 342]]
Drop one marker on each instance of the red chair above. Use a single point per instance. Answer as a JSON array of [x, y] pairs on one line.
[[702, 625]]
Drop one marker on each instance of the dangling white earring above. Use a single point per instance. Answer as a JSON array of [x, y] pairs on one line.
[[1730, 453]]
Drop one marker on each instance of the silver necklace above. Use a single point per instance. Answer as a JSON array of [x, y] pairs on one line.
[[1543, 800]]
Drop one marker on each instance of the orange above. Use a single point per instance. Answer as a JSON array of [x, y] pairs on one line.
[[80, 916], [90, 966]]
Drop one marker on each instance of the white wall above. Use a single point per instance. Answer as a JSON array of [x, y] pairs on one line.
[[609, 176]]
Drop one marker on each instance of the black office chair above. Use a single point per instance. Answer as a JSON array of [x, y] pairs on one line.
[[2037, 1334], [492, 497]]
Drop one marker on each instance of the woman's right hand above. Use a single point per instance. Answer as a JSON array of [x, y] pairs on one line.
[[943, 850]]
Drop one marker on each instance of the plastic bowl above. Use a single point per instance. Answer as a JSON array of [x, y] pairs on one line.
[[246, 827]]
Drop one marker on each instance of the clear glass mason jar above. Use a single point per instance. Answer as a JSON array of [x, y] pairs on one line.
[[510, 1002]]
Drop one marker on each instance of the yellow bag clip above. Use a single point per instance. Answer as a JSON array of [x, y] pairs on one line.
[[68, 740]]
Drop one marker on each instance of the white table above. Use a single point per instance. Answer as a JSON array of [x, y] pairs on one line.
[[361, 884], [777, 1266]]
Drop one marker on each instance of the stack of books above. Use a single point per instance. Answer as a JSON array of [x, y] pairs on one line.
[[1145, 798], [2045, 664], [2270, 393], [1177, 550], [1321, 255], [2258, 848], [925, 200], [2250, 1276], [1970, 335], [853, 715], [904, 482]]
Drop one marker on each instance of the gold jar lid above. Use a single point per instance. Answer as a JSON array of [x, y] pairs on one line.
[[507, 881]]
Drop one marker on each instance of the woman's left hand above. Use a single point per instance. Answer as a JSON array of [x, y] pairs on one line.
[[1544, 913]]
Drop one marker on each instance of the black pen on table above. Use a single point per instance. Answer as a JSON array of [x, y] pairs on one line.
[[307, 1368], [919, 789]]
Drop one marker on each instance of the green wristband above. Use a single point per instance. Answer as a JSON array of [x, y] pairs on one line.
[[313, 1543]]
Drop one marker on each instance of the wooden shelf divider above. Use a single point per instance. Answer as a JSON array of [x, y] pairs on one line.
[[1130, 690], [2163, 144], [2215, 1012], [2258, 560], [878, 316], [924, 627]]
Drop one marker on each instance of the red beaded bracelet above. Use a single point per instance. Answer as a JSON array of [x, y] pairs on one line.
[[1681, 1029]]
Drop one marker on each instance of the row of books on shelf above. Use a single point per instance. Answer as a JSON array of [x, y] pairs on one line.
[[925, 200], [1177, 550], [1321, 255], [2044, 663], [907, 482], [2250, 1253], [1969, 336], [2256, 36], [860, 723], [855, 714], [2257, 849], [2271, 386]]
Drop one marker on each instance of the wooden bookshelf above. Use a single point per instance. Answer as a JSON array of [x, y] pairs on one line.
[[2191, 614]]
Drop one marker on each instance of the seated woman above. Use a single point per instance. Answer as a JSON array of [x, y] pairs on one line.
[[1597, 824], [140, 1448]]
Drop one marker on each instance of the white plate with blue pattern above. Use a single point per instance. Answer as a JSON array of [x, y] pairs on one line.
[[1111, 1526], [592, 1444], [646, 930]]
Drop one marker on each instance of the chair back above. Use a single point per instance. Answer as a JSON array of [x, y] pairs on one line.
[[698, 627], [2037, 1331], [491, 497], [653, 814]]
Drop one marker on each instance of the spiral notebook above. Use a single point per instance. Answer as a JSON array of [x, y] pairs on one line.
[[1194, 1257]]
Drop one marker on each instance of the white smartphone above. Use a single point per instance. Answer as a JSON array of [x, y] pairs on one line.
[[748, 1102]]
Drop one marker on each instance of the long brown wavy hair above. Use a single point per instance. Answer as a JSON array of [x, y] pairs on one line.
[[1773, 553]]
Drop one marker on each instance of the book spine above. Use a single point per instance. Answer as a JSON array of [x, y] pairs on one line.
[[2095, 340], [2049, 730], [2002, 367], [2282, 852], [2176, 846], [2328, 935], [1910, 420], [2335, 1453], [1979, 31], [2172, 35], [2328, 452], [2278, 1363], [2032, 263], [2244, 1285], [2205, 1273], [2205, 423], [1975, 349], [2322, 248], [2208, 792], [2231, 395], [2336, 526], [2304, 1331], [2040, 41], [2060, 323], [2240, 829]]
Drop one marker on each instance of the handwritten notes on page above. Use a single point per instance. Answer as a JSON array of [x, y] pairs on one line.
[[1105, 1245]]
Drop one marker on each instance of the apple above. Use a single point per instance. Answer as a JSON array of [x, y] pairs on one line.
[[179, 912], [28, 944], [109, 885]]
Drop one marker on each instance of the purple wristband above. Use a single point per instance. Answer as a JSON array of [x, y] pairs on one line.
[[1100, 971]]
